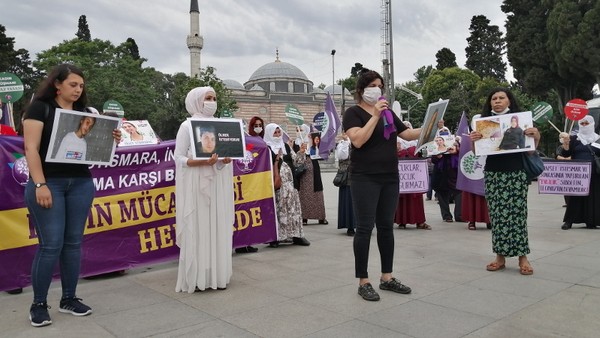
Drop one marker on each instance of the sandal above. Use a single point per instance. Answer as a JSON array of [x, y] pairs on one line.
[[472, 226], [526, 269], [495, 266], [424, 226]]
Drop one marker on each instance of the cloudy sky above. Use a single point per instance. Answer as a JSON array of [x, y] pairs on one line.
[[242, 35]]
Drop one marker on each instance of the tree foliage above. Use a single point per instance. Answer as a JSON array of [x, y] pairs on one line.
[[456, 84], [350, 82], [134, 51], [18, 62], [548, 46], [83, 30], [445, 58], [485, 47]]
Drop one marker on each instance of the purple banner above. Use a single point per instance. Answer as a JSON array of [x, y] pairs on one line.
[[470, 176], [413, 175], [132, 219], [565, 177]]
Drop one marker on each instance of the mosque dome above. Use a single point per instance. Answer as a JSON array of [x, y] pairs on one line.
[[232, 84], [337, 89], [277, 70]]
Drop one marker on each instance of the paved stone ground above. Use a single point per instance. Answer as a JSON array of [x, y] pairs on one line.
[[297, 291]]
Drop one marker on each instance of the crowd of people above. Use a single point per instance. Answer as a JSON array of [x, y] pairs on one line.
[[59, 195]]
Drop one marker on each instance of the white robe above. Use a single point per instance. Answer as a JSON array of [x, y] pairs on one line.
[[205, 217]]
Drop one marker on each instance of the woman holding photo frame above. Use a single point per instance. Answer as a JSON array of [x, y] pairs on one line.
[[205, 210], [506, 186], [58, 195]]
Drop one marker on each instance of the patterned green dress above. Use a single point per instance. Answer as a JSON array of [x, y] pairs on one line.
[[506, 194]]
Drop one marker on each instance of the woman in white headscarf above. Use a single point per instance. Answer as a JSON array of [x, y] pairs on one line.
[[582, 147], [311, 185], [204, 201], [289, 213]]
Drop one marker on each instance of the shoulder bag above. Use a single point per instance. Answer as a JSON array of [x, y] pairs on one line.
[[341, 178], [533, 165], [596, 158]]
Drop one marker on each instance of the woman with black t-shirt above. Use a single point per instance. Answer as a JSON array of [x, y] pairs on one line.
[[58, 195], [374, 179]]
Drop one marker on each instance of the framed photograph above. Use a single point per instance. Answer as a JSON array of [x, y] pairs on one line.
[[224, 137], [435, 112], [137, 132], [313, 146], [82, 138], [504, 134]]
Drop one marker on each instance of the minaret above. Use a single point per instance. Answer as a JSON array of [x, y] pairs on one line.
[[194, 40]]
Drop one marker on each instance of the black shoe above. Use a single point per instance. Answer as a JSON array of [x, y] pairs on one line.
[[15, 291], [367, 292], [394, 285], [246, 249], [590, 226], [74, 307], [38, 314], [566, 226], [350, 232], [488, 225], [274, 244], [323, 221], [304, 221], [401, 226], [300, 241]]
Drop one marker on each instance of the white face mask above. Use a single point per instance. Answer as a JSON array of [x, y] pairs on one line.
[[277, 139], [258, 130], [371, 95], [210, 107]]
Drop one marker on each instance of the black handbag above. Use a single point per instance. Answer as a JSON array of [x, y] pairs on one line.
[[341, 178], [533, 165], [299, 170]]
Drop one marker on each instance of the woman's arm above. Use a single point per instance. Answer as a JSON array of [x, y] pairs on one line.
[[32, 131]]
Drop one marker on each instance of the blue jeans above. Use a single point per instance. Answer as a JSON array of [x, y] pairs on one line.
[[60, 233], [374, 198]]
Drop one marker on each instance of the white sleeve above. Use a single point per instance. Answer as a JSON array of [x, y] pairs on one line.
[[182, 144], [342, 151]]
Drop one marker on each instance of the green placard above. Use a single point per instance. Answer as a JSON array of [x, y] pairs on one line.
[[112, 106], [542, 112], [227, 113], [294, 115], [11, 87]]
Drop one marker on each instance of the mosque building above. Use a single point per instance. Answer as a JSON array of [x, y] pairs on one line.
[[272, 87]]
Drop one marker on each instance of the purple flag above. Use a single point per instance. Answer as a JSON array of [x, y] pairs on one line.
[[388, 122], [328, 138], [470, 176]]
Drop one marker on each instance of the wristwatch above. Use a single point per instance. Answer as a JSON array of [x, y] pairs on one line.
[[39, 185]]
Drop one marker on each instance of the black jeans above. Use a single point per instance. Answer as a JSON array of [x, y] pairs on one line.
[[374, 198], [444, 198]]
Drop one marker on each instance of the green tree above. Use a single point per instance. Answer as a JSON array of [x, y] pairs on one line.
[[350, 82], [547, 46], [83, 30], [133, 48], [485, 47], [19, 63], [456, 84], [445, 59]]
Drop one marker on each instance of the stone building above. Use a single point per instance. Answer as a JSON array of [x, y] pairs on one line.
[[273, 86]]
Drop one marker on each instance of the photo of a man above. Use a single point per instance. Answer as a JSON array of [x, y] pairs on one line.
[[82, 137], [73, 145], [208, 139], [224, 137]]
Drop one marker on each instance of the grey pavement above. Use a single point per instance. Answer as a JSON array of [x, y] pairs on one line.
[[295, 291]]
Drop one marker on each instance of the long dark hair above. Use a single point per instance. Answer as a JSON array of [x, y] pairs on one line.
[[513, 106], [47, 90], [251, 127], [364, 79]]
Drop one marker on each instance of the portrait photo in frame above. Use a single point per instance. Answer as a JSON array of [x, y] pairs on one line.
[[503, 134], [435, 112], [224, 137], [82, 138]]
